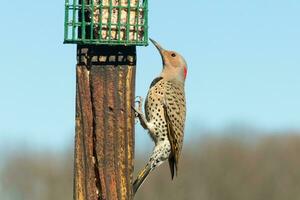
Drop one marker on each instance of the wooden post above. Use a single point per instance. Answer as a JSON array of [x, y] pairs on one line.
[[104, 141]]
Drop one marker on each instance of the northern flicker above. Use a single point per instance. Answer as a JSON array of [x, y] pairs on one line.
[[164, 114]]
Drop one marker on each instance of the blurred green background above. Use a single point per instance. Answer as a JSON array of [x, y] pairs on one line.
[[242, 136]]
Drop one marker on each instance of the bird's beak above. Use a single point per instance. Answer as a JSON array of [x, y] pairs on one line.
[[159, 48]]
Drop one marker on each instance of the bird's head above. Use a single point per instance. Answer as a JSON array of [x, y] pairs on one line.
[[174, 65]]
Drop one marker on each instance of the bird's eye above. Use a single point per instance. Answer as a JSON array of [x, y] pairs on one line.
[[173, 55]]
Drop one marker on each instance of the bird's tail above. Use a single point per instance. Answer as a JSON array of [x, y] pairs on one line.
[[141, 178]]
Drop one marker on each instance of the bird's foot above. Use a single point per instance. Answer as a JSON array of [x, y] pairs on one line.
[[138, 110], [139, 113]]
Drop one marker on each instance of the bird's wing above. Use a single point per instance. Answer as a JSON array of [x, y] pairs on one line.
[[174, 109]]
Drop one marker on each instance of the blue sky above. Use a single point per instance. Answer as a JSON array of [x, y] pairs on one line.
[[243, 59]]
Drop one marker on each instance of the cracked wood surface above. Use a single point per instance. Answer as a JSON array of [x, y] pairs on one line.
[[104, 140]]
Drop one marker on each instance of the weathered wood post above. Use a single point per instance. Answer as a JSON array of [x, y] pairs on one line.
[[106, 33], [104, 144]]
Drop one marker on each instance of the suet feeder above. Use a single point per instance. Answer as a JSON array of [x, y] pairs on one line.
[[106, 22]]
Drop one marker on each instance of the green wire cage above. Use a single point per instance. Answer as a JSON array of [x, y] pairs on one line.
[[110, 22]]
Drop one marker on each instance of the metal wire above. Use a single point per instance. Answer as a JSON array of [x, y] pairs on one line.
[[76, 26]]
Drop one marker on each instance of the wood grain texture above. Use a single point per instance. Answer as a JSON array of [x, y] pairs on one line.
[[104, 140]]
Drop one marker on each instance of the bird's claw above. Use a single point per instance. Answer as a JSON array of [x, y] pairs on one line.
[[140, 105], [135, 111], [138, 109], [136, 114]]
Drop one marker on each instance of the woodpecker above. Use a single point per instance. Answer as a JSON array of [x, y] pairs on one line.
[[165, 111]]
